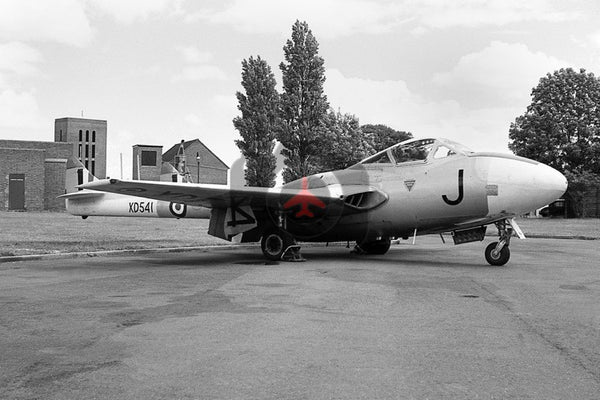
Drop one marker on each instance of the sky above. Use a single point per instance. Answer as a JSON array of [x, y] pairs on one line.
[[160, 71]]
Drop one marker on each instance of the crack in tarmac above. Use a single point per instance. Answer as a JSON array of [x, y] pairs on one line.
[[498, 301]]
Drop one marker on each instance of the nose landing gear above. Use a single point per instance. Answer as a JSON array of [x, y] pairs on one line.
[[498, 253], [497, 257]]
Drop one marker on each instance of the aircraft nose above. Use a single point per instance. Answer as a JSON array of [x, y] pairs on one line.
[[551, 181], [522, 185]]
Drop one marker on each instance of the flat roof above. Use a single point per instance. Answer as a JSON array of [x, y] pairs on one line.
[[80, 119]]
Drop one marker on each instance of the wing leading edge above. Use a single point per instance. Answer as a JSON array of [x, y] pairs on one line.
[[218, 196]]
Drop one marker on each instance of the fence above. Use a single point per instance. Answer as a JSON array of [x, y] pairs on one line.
[[591, 204]]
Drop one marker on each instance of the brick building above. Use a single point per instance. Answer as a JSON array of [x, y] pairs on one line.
[[32, 174], [88, 138], [191, 158]]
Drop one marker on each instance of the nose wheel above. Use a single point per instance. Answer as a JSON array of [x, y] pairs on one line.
[[498, 253], [497, 257]]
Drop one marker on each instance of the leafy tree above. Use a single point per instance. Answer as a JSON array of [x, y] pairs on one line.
[[344, 144], [561, 126], [303, 105], [381, 137], [259, 121]]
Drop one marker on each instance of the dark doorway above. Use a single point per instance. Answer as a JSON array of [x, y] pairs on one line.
[[16, 192]]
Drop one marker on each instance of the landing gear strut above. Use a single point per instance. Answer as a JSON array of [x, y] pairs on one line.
[[498, 253]]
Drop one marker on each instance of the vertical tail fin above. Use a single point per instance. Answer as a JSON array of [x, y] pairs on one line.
[[77, 174]]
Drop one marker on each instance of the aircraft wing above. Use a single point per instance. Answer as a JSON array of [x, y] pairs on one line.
[[219, 196], [81, 195]]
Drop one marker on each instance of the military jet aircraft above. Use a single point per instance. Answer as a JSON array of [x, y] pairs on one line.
[[416, 187]]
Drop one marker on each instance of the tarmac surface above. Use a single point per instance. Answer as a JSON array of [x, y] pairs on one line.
[[425, 321]]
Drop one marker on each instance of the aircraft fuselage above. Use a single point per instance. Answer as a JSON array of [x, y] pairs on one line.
[[433, 195]]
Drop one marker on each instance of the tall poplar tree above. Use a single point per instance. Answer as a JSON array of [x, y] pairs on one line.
[[303, 106], [258, 123]]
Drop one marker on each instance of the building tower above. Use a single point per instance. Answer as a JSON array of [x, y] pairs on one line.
[[89, 141]]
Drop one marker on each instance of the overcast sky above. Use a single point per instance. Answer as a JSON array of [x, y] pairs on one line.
[[164, 70]]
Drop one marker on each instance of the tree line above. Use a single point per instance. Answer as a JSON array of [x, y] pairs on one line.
[[315, 137]]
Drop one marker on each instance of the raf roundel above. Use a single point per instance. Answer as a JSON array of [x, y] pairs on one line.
[[178, 210]]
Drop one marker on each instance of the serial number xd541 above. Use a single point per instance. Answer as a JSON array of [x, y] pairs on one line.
[[141, 207]]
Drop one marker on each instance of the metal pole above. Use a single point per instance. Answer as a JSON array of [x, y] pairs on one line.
[[198, 161]]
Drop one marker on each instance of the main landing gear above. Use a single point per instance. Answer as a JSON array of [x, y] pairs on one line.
[[498, 253], [380, 246], [278, 244]]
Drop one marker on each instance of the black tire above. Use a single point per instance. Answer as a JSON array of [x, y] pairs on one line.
[[274, 243], [380, 246], [499, 259]]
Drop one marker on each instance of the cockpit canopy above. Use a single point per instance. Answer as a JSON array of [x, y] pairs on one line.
[[417, 150]]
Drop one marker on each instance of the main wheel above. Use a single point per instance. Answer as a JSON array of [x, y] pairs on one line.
[[500, 258], [274, 243], [380, 246]]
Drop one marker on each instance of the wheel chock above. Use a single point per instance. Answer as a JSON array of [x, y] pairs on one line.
[[292, 253]]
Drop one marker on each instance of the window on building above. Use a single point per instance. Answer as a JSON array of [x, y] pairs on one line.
[[80, 135], [93, 167], [87, 151], [86, 164], [87, 136], [149, 158], [93, 136], [80, 177], [93, 151], [79, 151], [60, 136]]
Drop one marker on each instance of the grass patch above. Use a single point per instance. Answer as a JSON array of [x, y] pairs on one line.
[[51, 232], [560, 227]]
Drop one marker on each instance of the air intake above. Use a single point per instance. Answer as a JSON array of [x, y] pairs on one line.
[[365, 200]]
